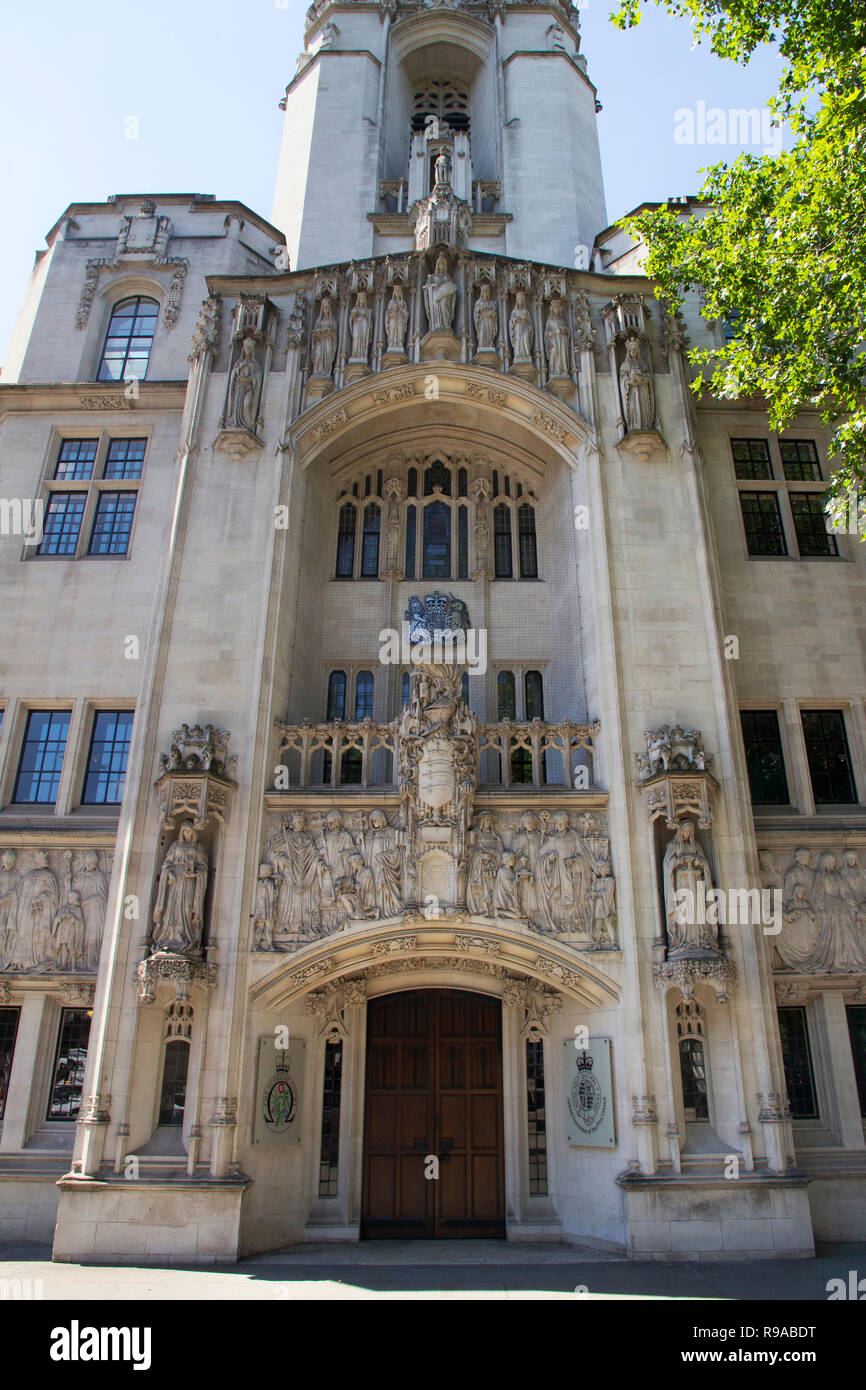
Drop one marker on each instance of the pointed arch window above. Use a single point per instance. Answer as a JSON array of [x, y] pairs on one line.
[[462, 543], [411, 515], [506, 695], [534, 691], [503, 568], [336, 695], [526, 541], [346, 542], [437, 541], [172, 1098], [364, 695], [370, 542]]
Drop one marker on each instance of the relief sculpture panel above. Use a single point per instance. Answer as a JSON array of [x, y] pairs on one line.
[[52, 909]]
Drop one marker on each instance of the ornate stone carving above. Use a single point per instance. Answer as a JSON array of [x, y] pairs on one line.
[[173, 970], [440, 300], [179, 907], [687, 884], [556, 341], [636, 387], [551, 427], [775, 1109], [361, 332], [643, 1110], [52, 910], [205, 338], [195, 777], [521, 331], [142, 242], [823, 912], [254, 326], [486, 319], [441, 218], [584, 333], [688, 974], [244, 391], [628, 347], [396, 323], [673, 748]]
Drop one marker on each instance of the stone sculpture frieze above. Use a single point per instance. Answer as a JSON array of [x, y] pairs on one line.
[[823, 909], [52, 909]]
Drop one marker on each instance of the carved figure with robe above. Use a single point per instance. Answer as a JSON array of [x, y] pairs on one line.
[[562, 876], [396, 321], [440, 294], [40, 896], [685, 869], [324, 339], [485, 317], [556, 340], [361, 327], [837, 920], [10, 891], [300, 868], [244, 389], [636, 387], [385, 858], [505, 902], [263, 916], [484, 857], [525, 845], [92, 886], [520, 328], [177, 915]]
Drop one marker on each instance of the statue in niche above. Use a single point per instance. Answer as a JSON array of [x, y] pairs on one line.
[[177, 916], [263, 917], [561, 879], [485, 317], [442, 169], [324, 339], [636, 386], [91, 884], [392, 540], [854, 890], [361, 327], [440, 294], [685, 868], [525, 847], [396, 321], [505, 898], [40, 897], [67, 932], [484, 858], [301, 869], [244, 390], [556, 340], [846, 945], [602, 893], [520, 328], [385, 858], [482, 540], [10, 890]]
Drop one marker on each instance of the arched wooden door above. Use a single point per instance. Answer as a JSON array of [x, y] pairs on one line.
[[433, 1088]]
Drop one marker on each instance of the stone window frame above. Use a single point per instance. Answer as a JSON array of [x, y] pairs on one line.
[[83, 711], [783, 488], [91, 488], [853, 739], [510, 486], [788, 753]]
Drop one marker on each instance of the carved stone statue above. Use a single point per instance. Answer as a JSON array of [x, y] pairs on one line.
[[505, 902], [338, 845], [10, 889], [67, 932], [602, 892], [482, 540], [392, 540], [525, 846], [396, 321], [440, 295], [484, 858], [556, 340], [485, 317], [91, 884], [39, 901], [636, 387], [685, 869], [520, 329], [177, 916], [838, 922], [324, 339], [361, 327], [385, 858], [244, 390], [357, 891], [263, 917], [561, 877], [300, 868], [800, 943]]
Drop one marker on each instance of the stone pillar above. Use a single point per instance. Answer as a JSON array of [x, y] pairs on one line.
[[24, 1079]]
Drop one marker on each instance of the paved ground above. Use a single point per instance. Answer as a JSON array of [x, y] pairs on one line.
[[448, 1270]]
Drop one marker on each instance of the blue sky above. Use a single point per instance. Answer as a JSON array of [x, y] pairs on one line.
[[203, 78]]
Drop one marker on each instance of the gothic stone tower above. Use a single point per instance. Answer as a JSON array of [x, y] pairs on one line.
[[391, 588]]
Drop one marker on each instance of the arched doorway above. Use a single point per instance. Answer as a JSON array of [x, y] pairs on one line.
[[433, 1089]]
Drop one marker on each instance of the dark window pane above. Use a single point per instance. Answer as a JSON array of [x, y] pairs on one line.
[[370, 542], [857, 1034], [113, 523], [173, 1095], [364, 695], [527, 542], [506, 695], [329, 1153], [70, 1060], [75, 460], [502, 541], [346, 542], [537, 1117], [763, 523], [106, 761], [437, 475], [800, 460], [751, 458], [797, 1059], [462, 543], [410, 542], [534, 695], [62, 523], [412, 483], [404, 688], [810, 524], [129, 340], [42, 757], [764, 760], [437, 541], [694, 1078], [8, 1030], [829, 758], [125, 458], [462, 478], [336, 695]]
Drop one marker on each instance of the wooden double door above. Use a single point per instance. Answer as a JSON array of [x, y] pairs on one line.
[[433, 1090]]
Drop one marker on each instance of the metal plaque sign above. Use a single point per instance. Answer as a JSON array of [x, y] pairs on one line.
[[279, 1077], [588, 1093]]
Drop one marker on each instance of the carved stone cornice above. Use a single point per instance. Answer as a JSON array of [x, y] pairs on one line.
[[676, 794], [178, 971]]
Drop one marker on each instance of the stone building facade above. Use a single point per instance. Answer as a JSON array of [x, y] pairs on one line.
[[433, 756]]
